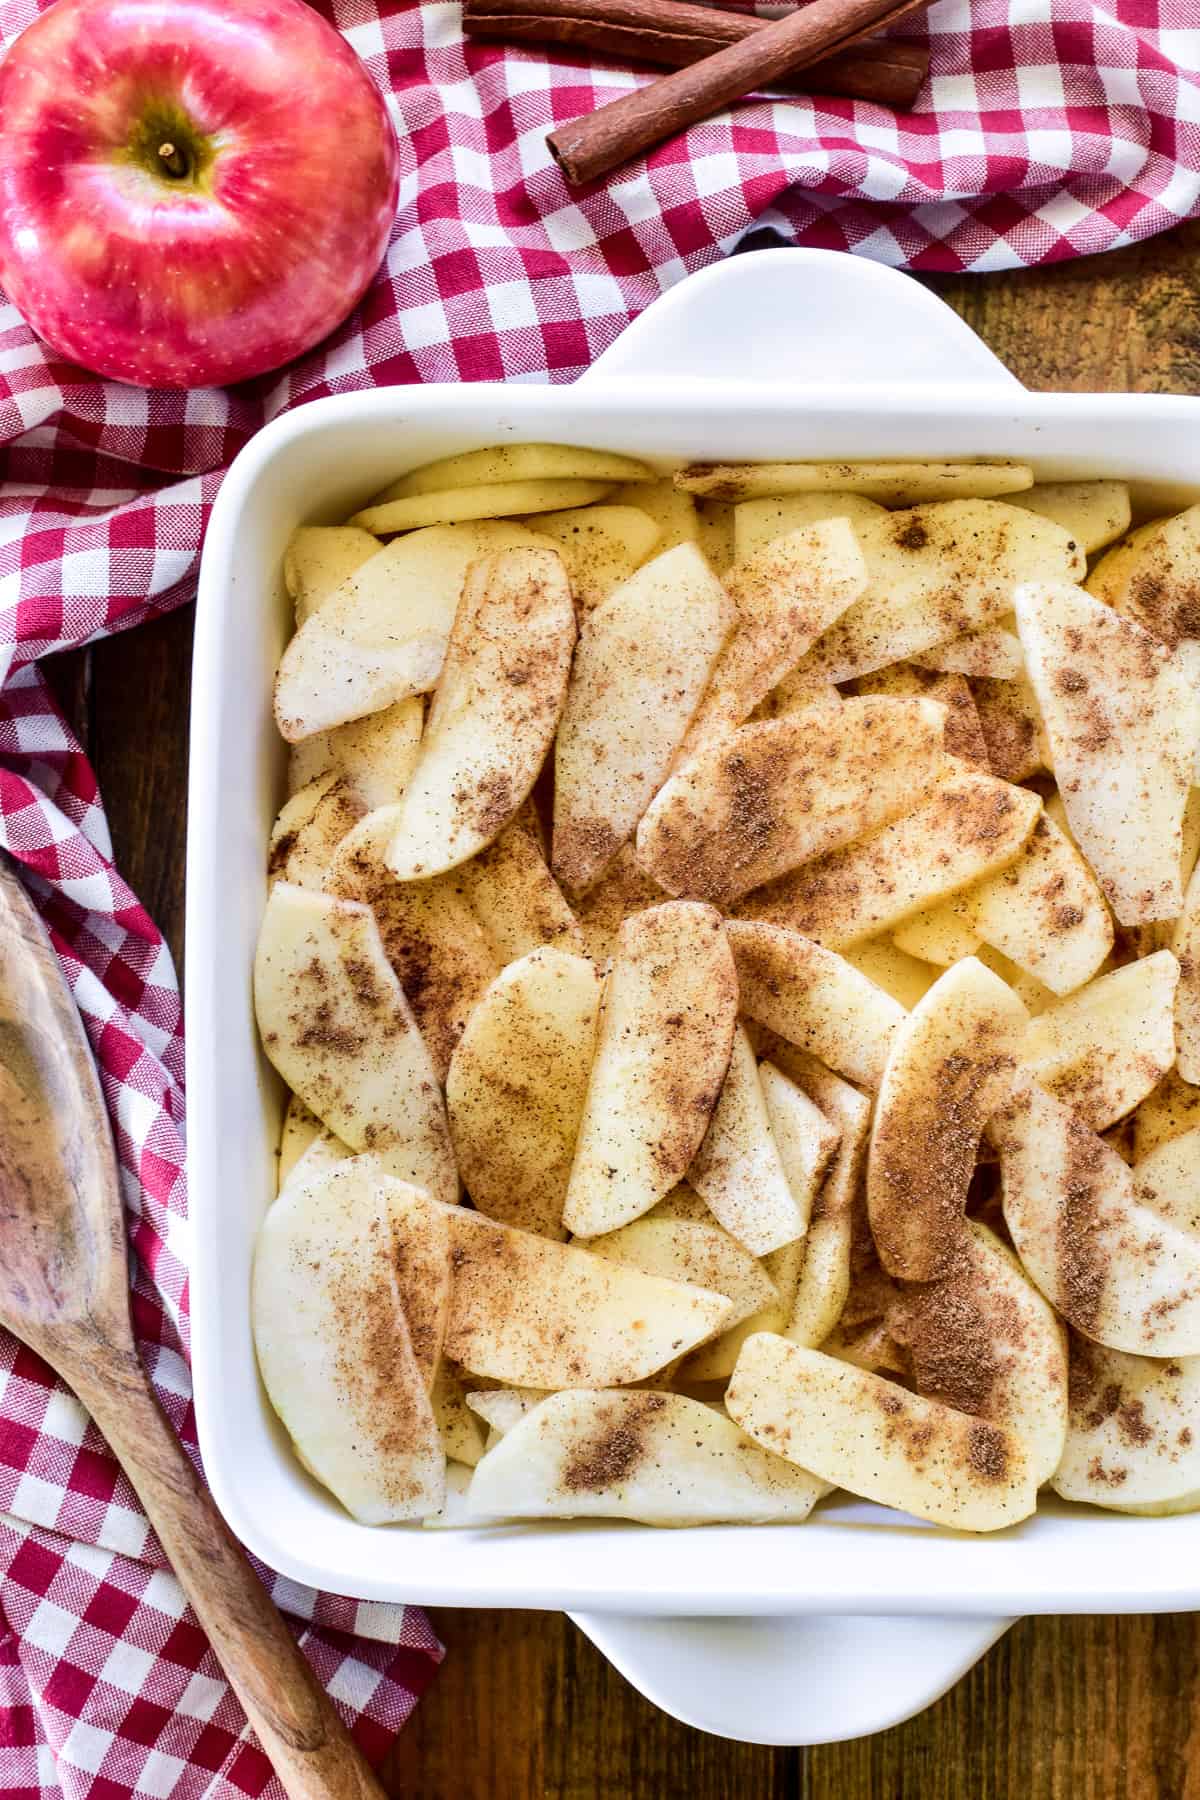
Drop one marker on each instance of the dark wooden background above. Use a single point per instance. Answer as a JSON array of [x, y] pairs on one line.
[[1061, 1709]]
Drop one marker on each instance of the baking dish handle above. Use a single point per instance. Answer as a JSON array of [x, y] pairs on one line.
[[810, 1680], [819, 318]]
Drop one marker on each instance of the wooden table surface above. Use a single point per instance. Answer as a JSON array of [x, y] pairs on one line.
[[1061, 1709]]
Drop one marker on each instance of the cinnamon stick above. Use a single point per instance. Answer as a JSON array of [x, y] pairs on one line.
[[676, 34], [593, 146]]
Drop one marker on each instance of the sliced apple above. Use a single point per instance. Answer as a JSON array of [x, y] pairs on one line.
[[1158, 584], [696, 1252], [1045, 911], [376, 755], [334, 1346], [1103, 1048], [938, 935], [1114, 1268], [1011, 723], [336, 1024], [1095, 513], [494, 713], [503, 1407], [1169, 1110], [622, 890], [824, 1277], [757, 523], [1108, 578], [1167, 1181], [659, 1458], [1185, 941], [863, 1433], [1133, 1442], [515, 462], [786, 594], [936, 572], [738, 1170], [807, 1140], [767, 797], [430, 934], [458, 1427], [971, 826], [309, 829], [514, 895], [300, 1127], [800, 693], [382, 635], [992, 653], [315, 1161], [1123, 719], [662, 1049], [491, 500], [892, 484], [963, 737], [601, 546], [539, 1314], [674, 513], [715, 519], [644, 659], [319, 558], [814, 998], [516, 1087], [902, 976]]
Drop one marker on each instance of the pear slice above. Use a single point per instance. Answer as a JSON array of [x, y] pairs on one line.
[[516, 1087], [539, 1314], [1133, 1443], [972, 826], [334, 1347], [738, 1170], [892, 484], [644, 660], [309, 829], [1104, 1048], [757, 523], [1123, 718], [514, 895], [382, 635], [1045, 911], [759, 801], [786, 594], [662, 1050], [494, 714], [485, 500], [431, 936], [863, 1433], [515, 462], [814, 998], [660, 1458], [319, 558], [1115, 1269], [601, 547], [935, 573], [335, 1023], [994, 653], [951, 1065], [692, 1251], [1095, 513]]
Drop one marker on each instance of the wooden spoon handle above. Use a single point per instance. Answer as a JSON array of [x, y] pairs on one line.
[[308, 1746]]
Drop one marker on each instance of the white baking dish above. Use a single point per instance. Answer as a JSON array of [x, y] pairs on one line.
[[780, 354]]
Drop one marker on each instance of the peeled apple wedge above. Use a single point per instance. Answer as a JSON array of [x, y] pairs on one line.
[[1115, 1269], [1185, 942], [892, 484], [501, 1408], [786, 594], [458, 1427], [693, 1251], [814, 998], [994, 652], [806, 1139], [1102, 1049], [662, 1050], [1133, 1441], [515, 897], [335, 1023], [309, 829], [1095, 513], [1123, 719], [622, 890], [659, 1458], [970, 827], [824, 1278], [315, 1161], [675, 513], [1168, 1111], [1154, 578], [493, 500], [1011, 724], [860, 1432], [382, 635], [319, 558], [494, 712], [963, 735], [937, 935], [516, 1087], [431, 936], [935, 573], [300, 1127], [376, 754], [757, 523], [601, 547], [334, 1347], [715, 518], [1167, 1180], [759, 801], [951, 1065], [902, 976], [515, 462], [1045, 911], [538, 1314], [738, 1170], [644, 660]]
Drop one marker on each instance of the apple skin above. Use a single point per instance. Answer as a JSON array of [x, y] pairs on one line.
[[243, 249]]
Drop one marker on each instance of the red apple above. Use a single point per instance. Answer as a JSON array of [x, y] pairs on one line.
[[191, 191]]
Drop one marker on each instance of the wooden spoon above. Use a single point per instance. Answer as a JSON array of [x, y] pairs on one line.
[[64, 1290]]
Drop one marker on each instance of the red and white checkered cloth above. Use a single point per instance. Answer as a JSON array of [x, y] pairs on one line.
[[1048, 129]]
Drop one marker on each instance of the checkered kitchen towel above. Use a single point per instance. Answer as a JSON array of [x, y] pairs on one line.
[[1049, 129]]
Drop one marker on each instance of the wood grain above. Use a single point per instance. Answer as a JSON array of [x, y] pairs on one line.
[[525, 1709]]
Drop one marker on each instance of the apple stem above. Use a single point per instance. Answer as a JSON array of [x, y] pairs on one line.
[[174, 161]]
